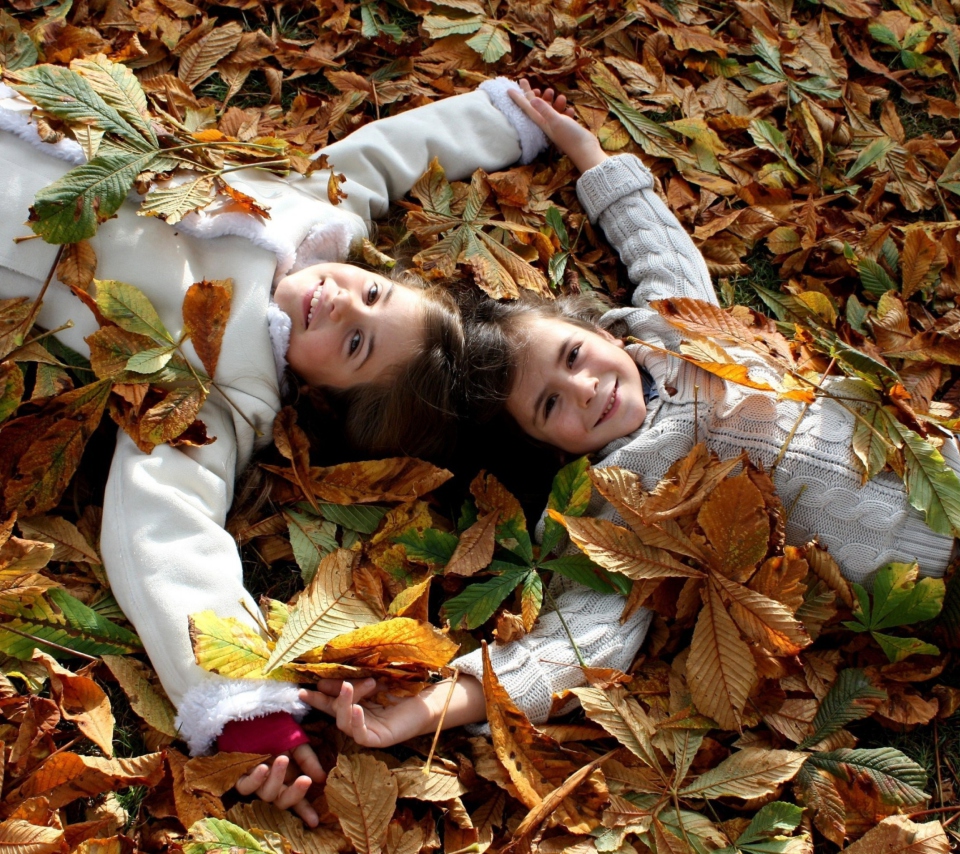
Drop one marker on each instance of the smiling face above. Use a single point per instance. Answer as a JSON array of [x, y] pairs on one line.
[[349, 326], [576, 390]]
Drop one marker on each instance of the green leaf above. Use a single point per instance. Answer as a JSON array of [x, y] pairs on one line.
[[430, 547], [217, 836], [172, 204], [771, 820], [851, 697], [150, 361], [478, 602], [555, 221], [491, 42], [860, 363], [372, 24], [897, 649], [766, 136], [131, 310], [531, 598], [17, 49], [874, 278], [71, 208], [899, 780], [884, 35], [870, 443], [749, 773], [356, 517], [311, 539], [581, 569], [900, 600], [70, 624], [119, 88], [569, 496], [65, 94], [932, 486]]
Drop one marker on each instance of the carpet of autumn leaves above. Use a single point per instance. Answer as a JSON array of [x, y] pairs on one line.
[[811, 149]]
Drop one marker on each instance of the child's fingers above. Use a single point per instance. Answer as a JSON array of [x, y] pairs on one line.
[[249, 783], [363, 689], [309, 764], [343, 706], [293, 794], [305, 810], [330, 687], [318, 700], [273, 785]]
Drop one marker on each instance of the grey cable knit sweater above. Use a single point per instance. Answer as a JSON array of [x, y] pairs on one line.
[[818, 478]]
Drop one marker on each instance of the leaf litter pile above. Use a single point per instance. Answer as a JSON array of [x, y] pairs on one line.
[[812, 152]]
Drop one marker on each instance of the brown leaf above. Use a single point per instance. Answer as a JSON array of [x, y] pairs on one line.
[[475, 549], [762, 619], [259, 814], [22, 837], [68, 543], [219, 773], [735, 520], [720, 669], [82, 701], [294, 445], [77, 266], [197, 60], [206, 310], [362, 793], [921, 261], [149, 702], [536, 763], [191, 806], [898, 834]]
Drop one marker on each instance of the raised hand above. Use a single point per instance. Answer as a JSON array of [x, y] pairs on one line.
[[552, 114], [284, 782]]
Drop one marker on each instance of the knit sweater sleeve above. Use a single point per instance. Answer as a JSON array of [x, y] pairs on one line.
[[661, 258], [544, 662]]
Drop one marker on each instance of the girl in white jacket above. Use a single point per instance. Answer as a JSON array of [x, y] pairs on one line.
[[569, 383], [163, 541]]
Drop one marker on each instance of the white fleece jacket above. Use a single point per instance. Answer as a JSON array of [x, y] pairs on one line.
[[164, 546]]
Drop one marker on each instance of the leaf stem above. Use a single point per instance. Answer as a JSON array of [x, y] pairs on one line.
[[566, 628], [443, 715], [41, 642], [35, 309]]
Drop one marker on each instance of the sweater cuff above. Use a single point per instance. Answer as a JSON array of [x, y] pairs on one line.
[[610, 181], [276, 733], [215, 701], [532, 139]]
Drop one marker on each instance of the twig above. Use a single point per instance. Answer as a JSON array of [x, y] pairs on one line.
[[566, 628], [921, 813], [443, 714], [35, 310], [257, 618], [5, 628]]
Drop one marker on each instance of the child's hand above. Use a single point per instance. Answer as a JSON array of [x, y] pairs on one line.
[[372, 725], [279, 783], [552, 115]]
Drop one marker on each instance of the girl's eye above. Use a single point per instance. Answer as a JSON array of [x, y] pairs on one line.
[[355, 343], [572, 358], [548, 406], [373, 294]]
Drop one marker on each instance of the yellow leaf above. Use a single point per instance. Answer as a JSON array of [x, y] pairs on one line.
[[147, 701], [362, 793], [735, 520], [226, 646], [327, 608]]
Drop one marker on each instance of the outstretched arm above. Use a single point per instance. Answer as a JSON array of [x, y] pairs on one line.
[[372, 725]]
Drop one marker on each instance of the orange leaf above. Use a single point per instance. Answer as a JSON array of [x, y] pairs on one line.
[[735, 520], [206, 310], [77, 266], [394, 641], [191, 806], [294, 445], [362, 793], [918, 265], [82, 701]]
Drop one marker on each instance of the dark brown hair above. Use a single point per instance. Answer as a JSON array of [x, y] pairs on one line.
[[497, 339]]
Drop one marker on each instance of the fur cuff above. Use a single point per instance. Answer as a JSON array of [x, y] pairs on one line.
[[532, 139], [207, 707], [16, 118], [279, 325]]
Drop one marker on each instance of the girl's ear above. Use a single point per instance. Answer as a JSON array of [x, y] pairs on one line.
[[605, 333]]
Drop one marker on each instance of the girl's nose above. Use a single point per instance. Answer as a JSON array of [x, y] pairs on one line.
[[585, 388]]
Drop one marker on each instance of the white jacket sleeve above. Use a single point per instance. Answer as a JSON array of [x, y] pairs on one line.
[[661, 258]]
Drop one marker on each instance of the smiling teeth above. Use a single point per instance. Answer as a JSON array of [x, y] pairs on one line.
[[313, 303]]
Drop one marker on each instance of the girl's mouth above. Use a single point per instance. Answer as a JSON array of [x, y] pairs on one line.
[[612, 404], [310, 302]]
